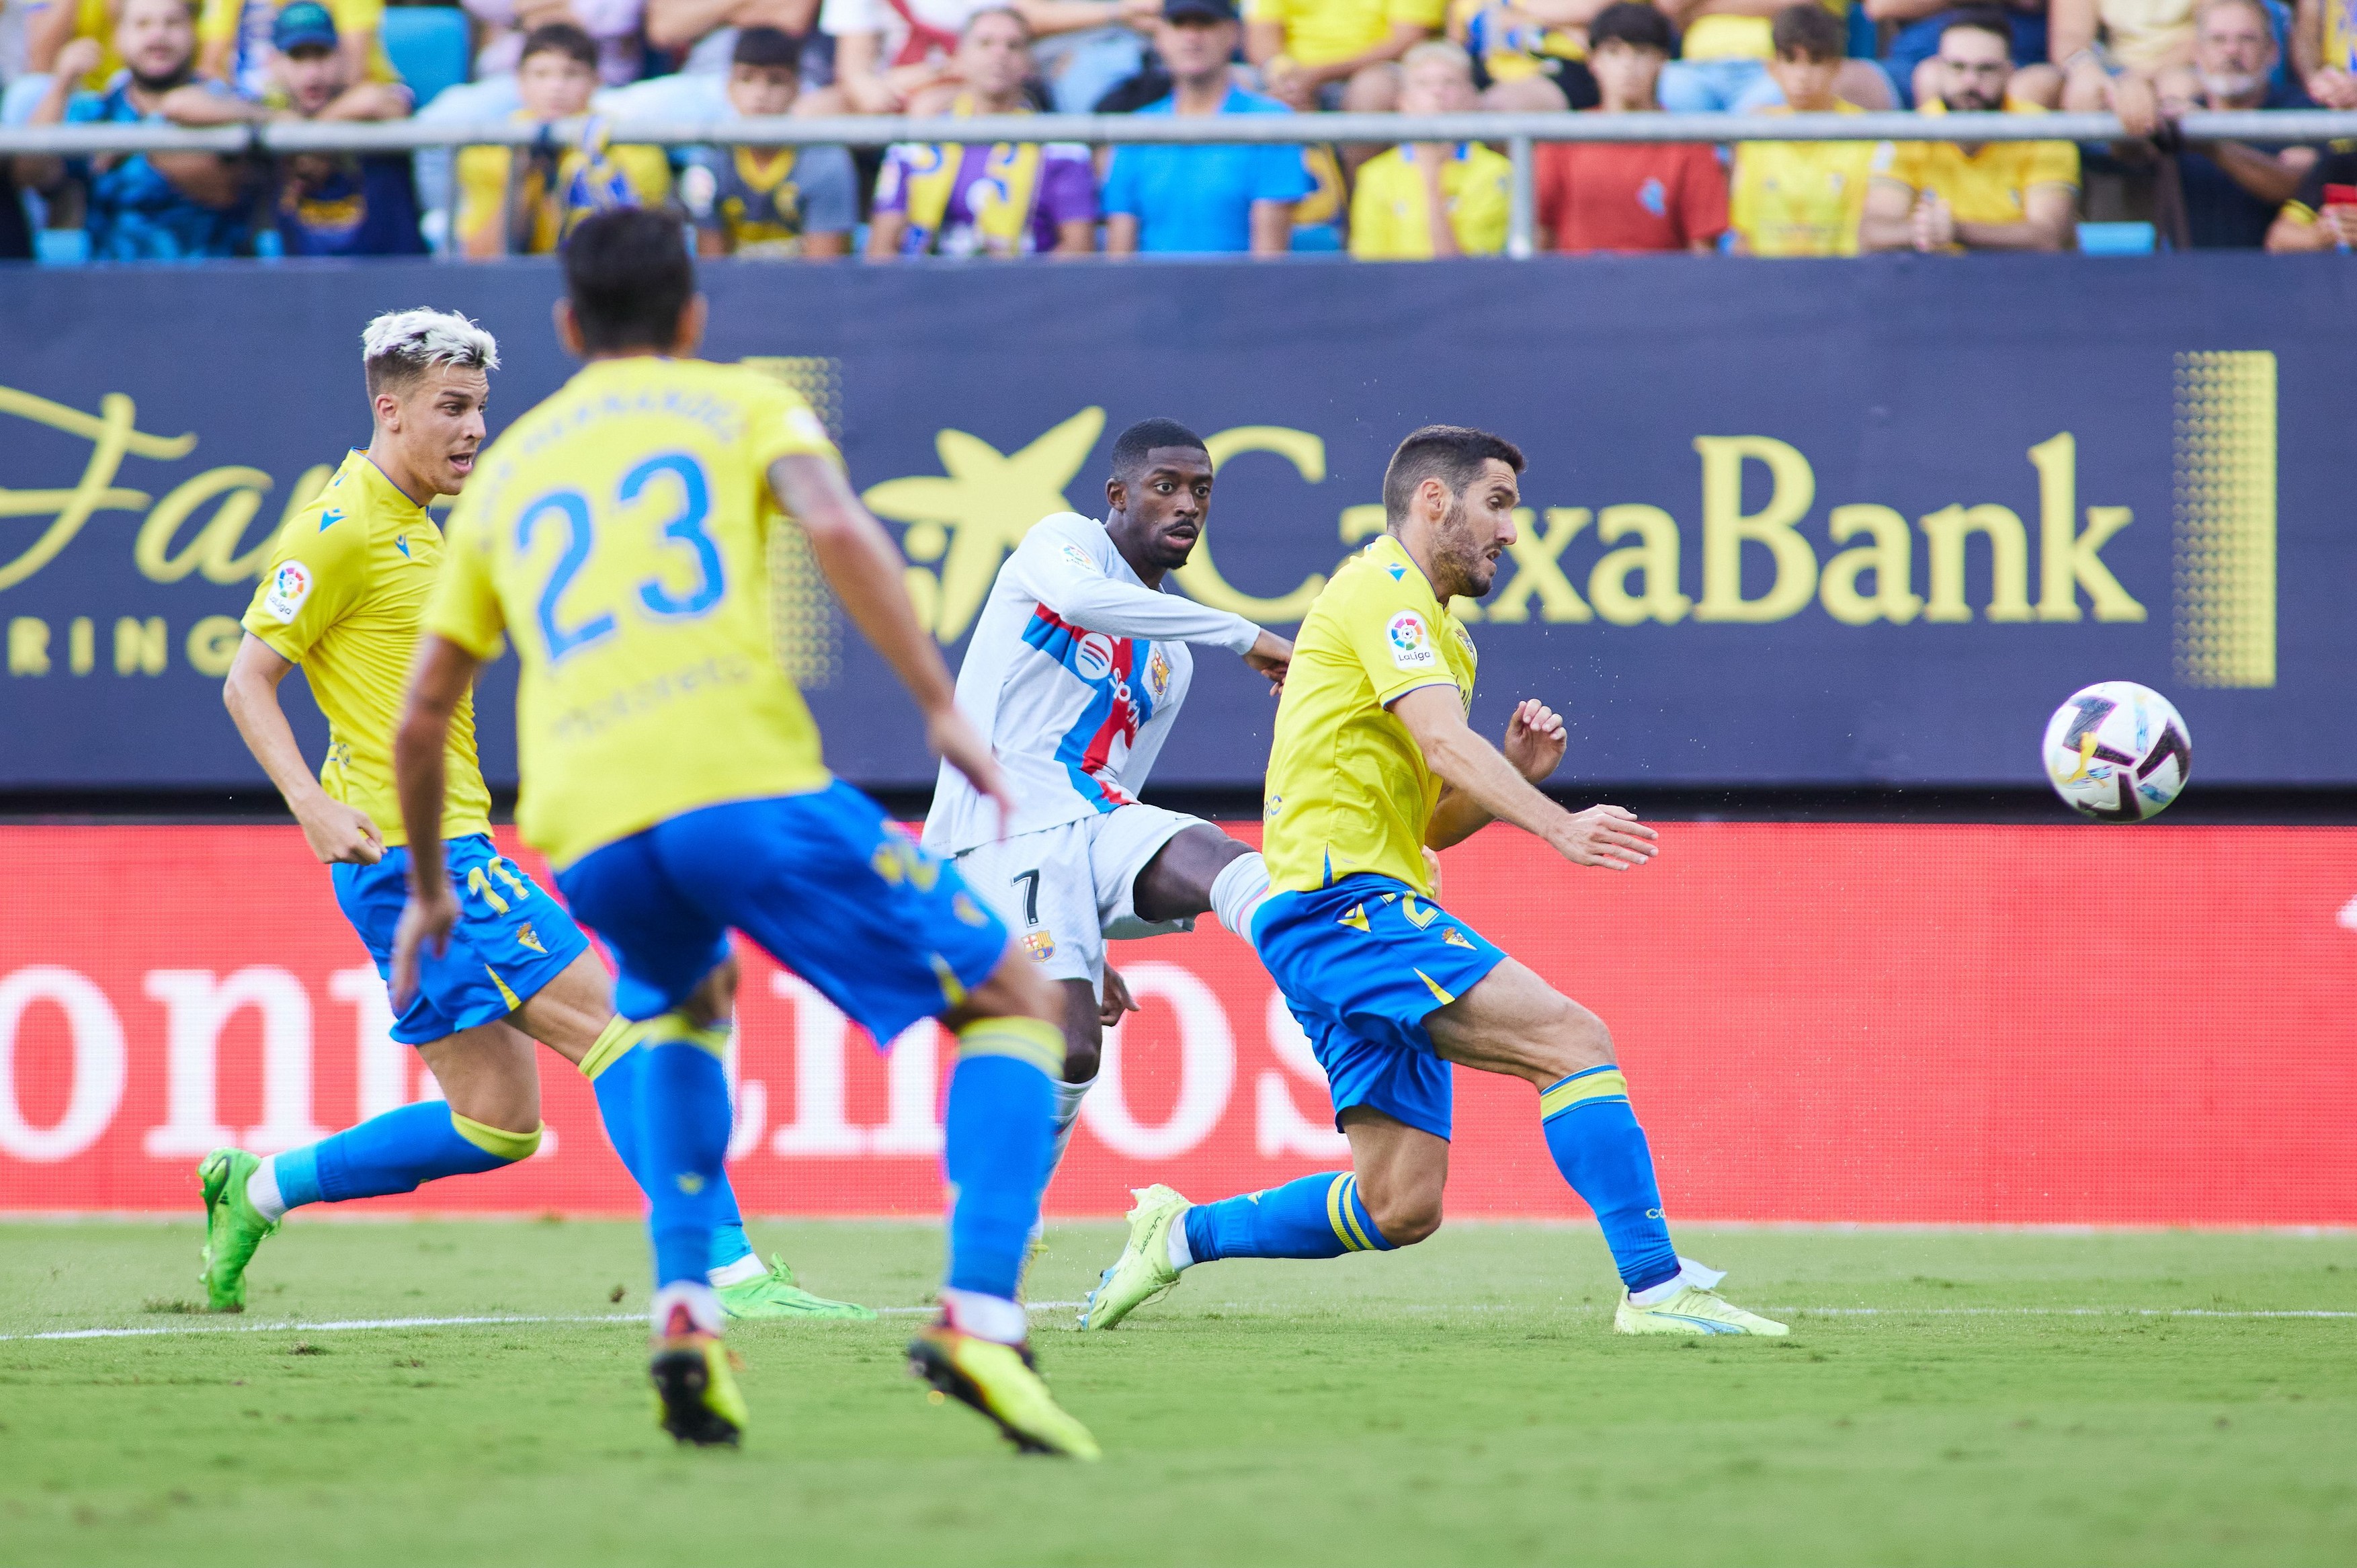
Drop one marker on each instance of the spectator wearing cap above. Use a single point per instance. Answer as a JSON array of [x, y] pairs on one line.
[[971, 199], [503, 26], [143, 207], [1424, 199], [323, 204], [233, 41], [2226, 194], [1174, 199], [1336, 54], [1802, 198], [1723, 56], [525, 200], [1999, 196], [770, 202], [1629, 196]]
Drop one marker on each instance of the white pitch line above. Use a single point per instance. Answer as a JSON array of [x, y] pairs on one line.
[[347, 1326], [351, 1324]]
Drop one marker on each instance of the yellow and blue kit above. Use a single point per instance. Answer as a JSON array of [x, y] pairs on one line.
[[1349, 931], [343, 597], [1364, 956], [619, 533]]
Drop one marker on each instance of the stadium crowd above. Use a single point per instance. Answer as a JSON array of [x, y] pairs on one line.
[[577, 65]]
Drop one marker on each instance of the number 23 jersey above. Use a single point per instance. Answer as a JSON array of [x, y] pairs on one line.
[[618, 533]]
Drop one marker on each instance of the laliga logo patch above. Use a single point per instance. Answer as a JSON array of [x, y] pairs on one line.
[[1157, 676], [1411, 645], [289, 586], [1094, 657]]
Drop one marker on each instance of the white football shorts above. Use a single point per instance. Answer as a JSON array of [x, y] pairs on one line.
[[1063, 890]]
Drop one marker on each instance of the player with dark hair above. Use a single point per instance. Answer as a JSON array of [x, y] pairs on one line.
[[342, 599], [1077, 669], [618, 534], [1373, 762]]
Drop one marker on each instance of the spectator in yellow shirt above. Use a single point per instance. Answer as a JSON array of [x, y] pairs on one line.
[[2000, 196], [50, 26], [233, 41], [525, 200], [1802, 198], [1401, 193], [1336, 54]]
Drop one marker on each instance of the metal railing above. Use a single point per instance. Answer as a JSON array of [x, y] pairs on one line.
[[1520, 132]]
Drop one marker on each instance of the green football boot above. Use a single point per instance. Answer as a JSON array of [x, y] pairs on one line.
[[1143, 1271], [775, 1294], [232, 1228]]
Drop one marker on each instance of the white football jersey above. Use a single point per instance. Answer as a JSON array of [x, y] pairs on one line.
[[1075, 672]]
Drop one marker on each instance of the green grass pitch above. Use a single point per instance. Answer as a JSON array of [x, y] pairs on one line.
[[1959, 1398]]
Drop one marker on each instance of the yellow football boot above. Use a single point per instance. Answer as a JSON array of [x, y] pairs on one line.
[[1693, 1310], [1001, 1381], [1143, 1271]]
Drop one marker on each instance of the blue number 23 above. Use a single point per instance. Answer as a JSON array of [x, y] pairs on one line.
[[660, 601]]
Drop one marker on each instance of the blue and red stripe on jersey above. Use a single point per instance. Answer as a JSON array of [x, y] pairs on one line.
[[1117, 708]]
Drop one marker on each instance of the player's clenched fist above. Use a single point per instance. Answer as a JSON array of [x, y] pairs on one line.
[[1608, 836], [340, 834], [1534, 740]]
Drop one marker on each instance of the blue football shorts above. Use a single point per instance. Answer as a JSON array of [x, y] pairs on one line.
[[511, 938], [1362, 962], [823, 882]]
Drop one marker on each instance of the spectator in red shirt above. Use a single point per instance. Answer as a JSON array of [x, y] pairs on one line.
[[1631, 196]]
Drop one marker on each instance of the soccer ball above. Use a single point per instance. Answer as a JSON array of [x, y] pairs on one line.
[[2118, 752]]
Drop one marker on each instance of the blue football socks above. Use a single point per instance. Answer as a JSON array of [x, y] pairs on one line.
[[1317, 1217], [1602, 1151], [612, 1069], [997, 1134], [396, 1152], [682, 1095]]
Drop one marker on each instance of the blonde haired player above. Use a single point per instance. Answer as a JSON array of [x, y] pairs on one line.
[[342, 599]]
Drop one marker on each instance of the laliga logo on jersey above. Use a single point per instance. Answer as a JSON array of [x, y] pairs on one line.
[[289, 586], [1411, 648], [1094, 657]]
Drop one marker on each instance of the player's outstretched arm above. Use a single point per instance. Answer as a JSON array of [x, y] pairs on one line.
[[863, 568], [334, 831], [445, 674], [1046, 567], [1481, 775]]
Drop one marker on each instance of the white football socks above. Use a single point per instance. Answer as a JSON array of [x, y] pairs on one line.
[[748, 1267], [262, 1191], [703, 1306], [1237, 891], [1701, 1275], [1181, 1255], [986, 1316]]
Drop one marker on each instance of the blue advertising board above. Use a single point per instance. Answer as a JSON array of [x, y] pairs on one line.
[[1806, 523]]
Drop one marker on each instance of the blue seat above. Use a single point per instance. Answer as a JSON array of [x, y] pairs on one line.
[[431, 46], [2117, 239]]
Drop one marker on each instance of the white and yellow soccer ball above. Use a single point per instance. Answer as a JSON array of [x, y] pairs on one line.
[[2118, 752]]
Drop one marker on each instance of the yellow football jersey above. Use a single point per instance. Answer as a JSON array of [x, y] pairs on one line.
[[1800, 198], [1985, 184], [1347, 787], [618, 534], [343, 597]]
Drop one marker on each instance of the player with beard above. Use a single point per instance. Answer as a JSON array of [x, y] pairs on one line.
[[1077, 669], [1372, 763]]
